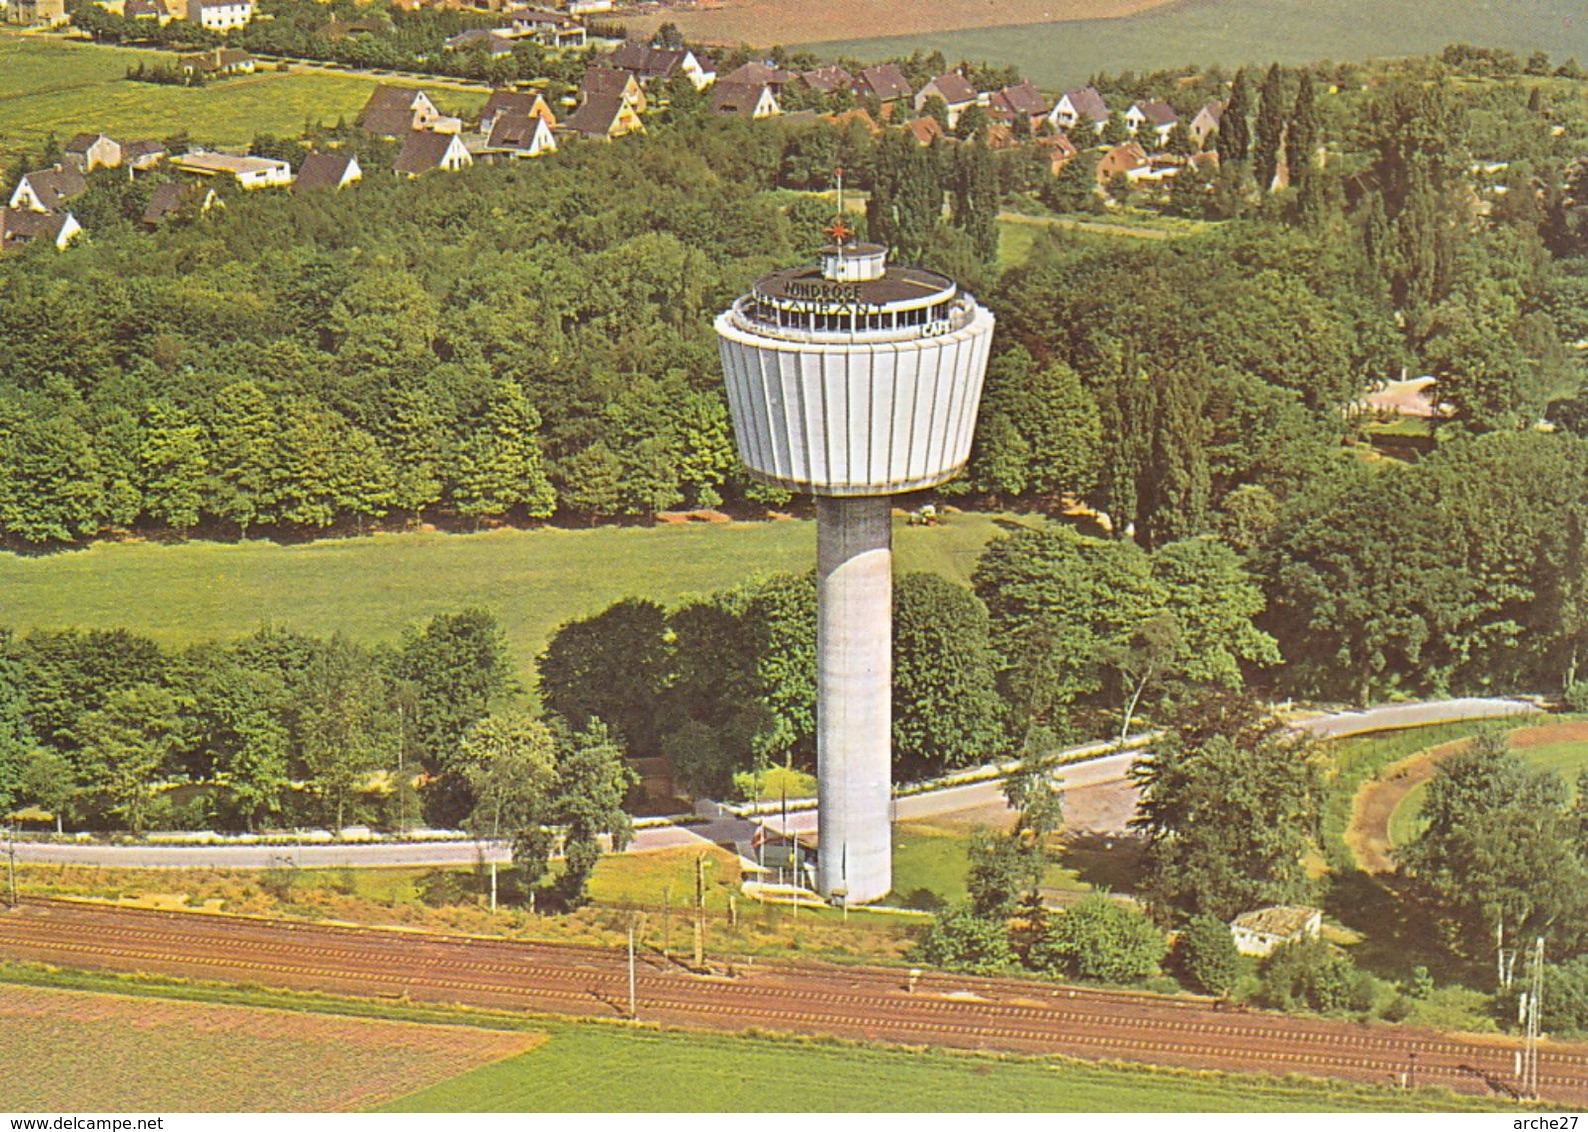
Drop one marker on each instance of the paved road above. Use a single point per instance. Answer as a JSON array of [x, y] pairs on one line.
[[1108, 768]]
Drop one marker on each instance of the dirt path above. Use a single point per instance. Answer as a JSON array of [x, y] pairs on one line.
[[1368, 835]]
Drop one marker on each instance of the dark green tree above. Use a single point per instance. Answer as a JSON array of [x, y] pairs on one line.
[[1268, 135], [1235, 136], [1205, 957], [1099, 939], [960, 940], [976, 199]]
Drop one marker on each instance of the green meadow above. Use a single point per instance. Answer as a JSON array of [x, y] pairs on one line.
[[370, 588], [1065, 53], [50, 85]]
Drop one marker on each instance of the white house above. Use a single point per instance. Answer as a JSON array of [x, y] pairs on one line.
[[1076, 105], [220, 15], [1259, 932], [249, 172]]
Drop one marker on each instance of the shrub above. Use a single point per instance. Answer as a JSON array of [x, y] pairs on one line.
[[1205, 956], [960, 940], [1313, 975], [1103, 940]]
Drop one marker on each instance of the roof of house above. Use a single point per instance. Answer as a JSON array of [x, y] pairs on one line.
[[645, 61], [493, 43], [953, 88], [1059, 142], [167, 198], [597, 114], [1159, 113], [758, 74], [925, 129], [827, 79], [217, 60], [143, 147], [599, 78], [1087, 101], [21, 224], [385, 97], [886, 81], [515, 131], [82, 143], [323, 170], [136, 8], [423, 151], [1214, 110], [1280, 920], [736, 98], [52, 186], [225, 3], [509, 102], [205, 161], [857, 114], [1023, 98]]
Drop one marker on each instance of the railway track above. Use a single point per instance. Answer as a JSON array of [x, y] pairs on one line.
[[871, 1002]]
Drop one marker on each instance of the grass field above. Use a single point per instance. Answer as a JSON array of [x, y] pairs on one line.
[[86, 1052], [1063, 53], [51, 85], [370, 588]]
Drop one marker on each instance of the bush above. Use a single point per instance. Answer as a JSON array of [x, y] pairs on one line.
[[1313, 975], [1102, 940], [1205, 956], [960, 940], [438, 888]]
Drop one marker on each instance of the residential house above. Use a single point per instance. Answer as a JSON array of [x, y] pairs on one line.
[[749, 100], [955, 91], [1058, 148], [885, 83], [1081, 104], [760, 74], [35, 13], [660, 64], [20, 226], [1206, 123], [220, 61], [492, 43], [519, 103], [175, 197], [843, 118], [588, 7], [1129, 159], [249, 172], [424, 152], [925, 130], [142, 155], [1150, 122], [393, 111], [555, 30], [47, 189], [1022, 100], [1259, 932], [605, 115], [156, 10], [825, 80], [87, 152], [598, 80], [327, 171], [220, 15], [521, 135]]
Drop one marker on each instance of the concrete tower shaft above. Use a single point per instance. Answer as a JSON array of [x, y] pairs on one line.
[[854, 380]]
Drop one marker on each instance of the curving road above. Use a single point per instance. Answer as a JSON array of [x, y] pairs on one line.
[[869, 1002]]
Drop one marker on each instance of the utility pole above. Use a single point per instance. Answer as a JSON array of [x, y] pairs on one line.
[[700, 911]]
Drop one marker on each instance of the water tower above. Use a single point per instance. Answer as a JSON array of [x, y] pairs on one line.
[[854, 380]]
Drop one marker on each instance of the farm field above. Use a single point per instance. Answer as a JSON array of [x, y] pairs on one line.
[[370, 588], [766, 22], [51, 85], [70, 1050], [648, 1071], [1064, 52]]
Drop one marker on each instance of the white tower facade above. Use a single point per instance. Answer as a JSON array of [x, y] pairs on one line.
[[854, 380]]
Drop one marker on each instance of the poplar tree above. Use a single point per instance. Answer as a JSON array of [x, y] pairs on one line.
[[1235, 133], [1270, 130], [975, 210]]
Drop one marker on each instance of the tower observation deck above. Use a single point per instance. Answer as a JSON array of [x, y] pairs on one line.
[[853, 380]]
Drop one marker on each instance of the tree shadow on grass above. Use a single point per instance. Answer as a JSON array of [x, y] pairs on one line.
[[1398, 933]]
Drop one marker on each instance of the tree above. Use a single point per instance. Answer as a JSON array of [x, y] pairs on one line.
[[1303, 135], [592, 779], [346, 733], [1310, 974], [126, 747], [1003, 868], [960, 940], [49, 779], [1181, 142], [1269, 133], [975, 199], [1205, 956], [1497, 853], [906, 200], [1230, 805], [1100, 939], [1074, 188], [242, 447], [972, 121], [1115, 130], [510, 763], [500, 462], [613, 666], [172, 466], [16, 737], [946, 708], [1235, 137]]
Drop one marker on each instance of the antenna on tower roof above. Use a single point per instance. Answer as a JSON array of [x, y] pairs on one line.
[[839, 231]]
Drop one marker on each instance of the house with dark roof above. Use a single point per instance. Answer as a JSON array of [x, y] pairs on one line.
[[425, 152], [600, 80], [925, 130], [327, 171], [173, 198], [491, 43], [393, 111], [660, 64], [604, 115], [1150, 122], [520, 103], [220, 61], [1129, 159], [755, 73], [87, 152], [143, 154], [1206, 123], [521, 135], [1023, 100], [1058, 148], [955, 91], [20, 227], [747, 100], [148, 10], [48, 189], [1078, 105], [548, 28], [825, 80], [886, 83]]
